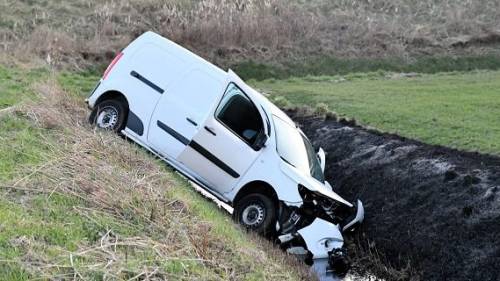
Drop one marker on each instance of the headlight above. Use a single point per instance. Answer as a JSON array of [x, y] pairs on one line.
[[318, 205], [315, 197]]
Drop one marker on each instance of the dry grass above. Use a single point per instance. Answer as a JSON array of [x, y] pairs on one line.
[[368, 261], [174, 237], [226, 31]]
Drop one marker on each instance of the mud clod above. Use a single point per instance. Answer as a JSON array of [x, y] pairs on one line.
[[450, 175], [418, 213], [470, 180], [467, 211]]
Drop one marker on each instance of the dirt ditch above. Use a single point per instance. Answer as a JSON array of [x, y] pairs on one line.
[[431, 208]]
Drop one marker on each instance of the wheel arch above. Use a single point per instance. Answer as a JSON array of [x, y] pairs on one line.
[[111, 95], [257, 186]]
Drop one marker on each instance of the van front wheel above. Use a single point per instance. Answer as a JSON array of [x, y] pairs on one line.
[[109, 115], [256, 212]]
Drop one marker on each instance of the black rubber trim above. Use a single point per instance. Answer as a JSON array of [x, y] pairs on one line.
[[192, 122], [212, 158], [210, 131], [147, 82], [198, 148], [172, 132], [135, 124]]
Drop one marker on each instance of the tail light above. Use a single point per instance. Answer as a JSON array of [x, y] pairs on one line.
[[112, 64]]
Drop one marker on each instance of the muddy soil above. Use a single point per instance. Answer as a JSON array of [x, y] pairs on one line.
[[432, 207]]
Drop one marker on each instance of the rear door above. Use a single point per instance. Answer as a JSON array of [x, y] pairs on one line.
[[181, 111], [145, 77], [222, 150]]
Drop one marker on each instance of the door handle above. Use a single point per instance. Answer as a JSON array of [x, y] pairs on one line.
[[192, 122], [210, 130]]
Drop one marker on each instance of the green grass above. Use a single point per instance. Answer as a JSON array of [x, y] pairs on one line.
[[20, 141], [20, 146], [460, 110], [52, 223], [327, 65], [78, 83], [50, 227], [15, 84]]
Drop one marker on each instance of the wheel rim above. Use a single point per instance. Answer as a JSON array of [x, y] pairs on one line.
[[107, 118], [253, 215]]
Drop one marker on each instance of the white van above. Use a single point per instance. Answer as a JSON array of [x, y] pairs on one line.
[[229, 139]]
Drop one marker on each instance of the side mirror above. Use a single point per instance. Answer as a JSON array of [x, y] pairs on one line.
[[322, 158], [260, 141]]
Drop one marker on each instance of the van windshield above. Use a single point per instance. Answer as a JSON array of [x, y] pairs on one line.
[[295, 149]]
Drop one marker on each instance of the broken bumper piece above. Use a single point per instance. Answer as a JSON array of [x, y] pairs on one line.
[[315, 232], [354, 221], [321, 237], [324, 241]]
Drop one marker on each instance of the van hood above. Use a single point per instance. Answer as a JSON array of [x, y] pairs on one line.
[[310, 183]]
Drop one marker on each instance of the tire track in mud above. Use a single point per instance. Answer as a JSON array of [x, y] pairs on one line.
[[435, 207]]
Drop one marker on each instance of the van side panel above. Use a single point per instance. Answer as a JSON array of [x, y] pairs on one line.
[[156, 65], [182, 110], [149, 74]]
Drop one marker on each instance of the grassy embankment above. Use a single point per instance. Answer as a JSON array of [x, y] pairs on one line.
[[459, 110], [82, 204]]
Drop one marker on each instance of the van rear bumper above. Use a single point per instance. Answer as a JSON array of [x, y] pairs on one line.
[[87, 102]]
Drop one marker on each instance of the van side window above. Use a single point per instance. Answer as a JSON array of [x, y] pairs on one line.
[[239, 114]]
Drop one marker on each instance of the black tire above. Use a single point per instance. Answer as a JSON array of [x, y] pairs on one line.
[[251, 205], [114, 107]]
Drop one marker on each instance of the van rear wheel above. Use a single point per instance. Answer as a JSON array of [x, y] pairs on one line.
[[109, 115], [256, 212]]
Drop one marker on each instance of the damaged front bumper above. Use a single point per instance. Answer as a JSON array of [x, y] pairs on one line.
[[353, 221], [322, 244], [321, 241]]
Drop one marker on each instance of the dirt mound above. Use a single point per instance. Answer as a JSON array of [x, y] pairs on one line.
[[433, 207]]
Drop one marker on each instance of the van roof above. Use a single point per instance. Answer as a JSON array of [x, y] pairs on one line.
[[257, 97], [178, 50]]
